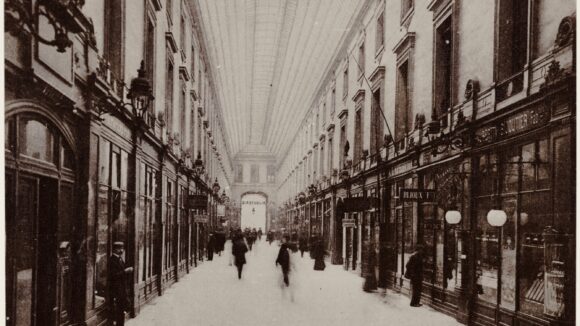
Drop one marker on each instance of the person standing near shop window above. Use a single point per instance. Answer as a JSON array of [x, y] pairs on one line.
[[118, 284], [414, 272]]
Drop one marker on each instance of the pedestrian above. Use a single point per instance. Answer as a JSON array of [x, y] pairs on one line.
[[284, 261], [303, 244], [414, 272], [319, 254], [210, 246], [260, 234], [239, 250], [118, 284]]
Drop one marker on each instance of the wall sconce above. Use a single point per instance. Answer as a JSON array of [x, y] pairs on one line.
[[453, 217], [496, 217]]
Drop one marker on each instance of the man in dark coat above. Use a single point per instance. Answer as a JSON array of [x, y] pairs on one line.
[[414, 272], [118, 284], [284, 261], [303, 244], [210, 246], [239, 250]]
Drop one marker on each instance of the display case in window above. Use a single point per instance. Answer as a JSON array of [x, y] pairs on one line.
[[557, 257]]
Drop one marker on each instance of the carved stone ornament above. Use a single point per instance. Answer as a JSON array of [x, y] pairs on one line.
[[565, 31], [553, 73], [471, 89]]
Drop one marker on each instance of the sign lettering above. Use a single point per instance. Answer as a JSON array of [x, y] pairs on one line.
[[417, 195]]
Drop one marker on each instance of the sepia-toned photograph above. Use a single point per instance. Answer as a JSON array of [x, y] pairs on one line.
[[288, 163]]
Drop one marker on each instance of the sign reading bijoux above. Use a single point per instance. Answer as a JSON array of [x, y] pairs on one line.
[[417, 195], [512, 125]]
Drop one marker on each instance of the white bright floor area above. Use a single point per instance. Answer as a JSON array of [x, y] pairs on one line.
[[212, 295]]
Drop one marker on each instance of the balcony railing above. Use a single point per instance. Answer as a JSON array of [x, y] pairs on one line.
[[511, 86]]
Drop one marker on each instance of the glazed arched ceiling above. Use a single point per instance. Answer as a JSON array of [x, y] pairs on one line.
[[268, 57]]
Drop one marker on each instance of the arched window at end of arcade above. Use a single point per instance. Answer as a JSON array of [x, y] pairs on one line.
[[33, 139]]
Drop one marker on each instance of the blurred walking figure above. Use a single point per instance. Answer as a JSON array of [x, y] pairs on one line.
[[286, 259], [414, 272], [319, 253], [303, 244], [270, 237], [210, 246], [260, 234], [239, 250]]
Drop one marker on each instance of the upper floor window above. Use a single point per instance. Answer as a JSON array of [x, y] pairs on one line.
[[332, 102], [380, 36], [182, 110], [358, 140], [169, 8], [361, 59], [182, 35], [376, 122], [149, 55], [443, 77], [254, 173], [402, 107], [113, 51], [271, 175], [512, 40], [406, 7], [345, 83], [169, 91]]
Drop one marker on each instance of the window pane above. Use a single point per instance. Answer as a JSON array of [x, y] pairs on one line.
[[486, 242], [534, 217], [104, 153], [508, 252], [543, 165], [67, 157], [102, 246], [529, 166], [36, 140], [563, 201], [510, 172], [124, 169]]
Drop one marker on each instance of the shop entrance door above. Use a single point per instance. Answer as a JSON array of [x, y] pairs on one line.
[[31, 222]]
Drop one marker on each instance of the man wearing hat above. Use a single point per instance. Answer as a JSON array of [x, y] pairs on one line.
[[414, 272], [118, 283]]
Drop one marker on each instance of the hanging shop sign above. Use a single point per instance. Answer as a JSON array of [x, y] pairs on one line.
[[515, 124], [200, 218], [358, 204], [221, 210], [197, 202], [417, 195], [349, 222]]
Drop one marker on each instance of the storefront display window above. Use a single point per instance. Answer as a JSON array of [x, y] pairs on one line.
[[534, 217], [487, 247], [524, 195]]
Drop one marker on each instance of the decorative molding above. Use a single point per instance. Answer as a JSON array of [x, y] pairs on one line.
[[438, 6], [376, 77], [330, 127], [183, 72], [193, 93], [407, 42], [156, 4], [566, 32], [343, 114], [359, 96], [171, 41]]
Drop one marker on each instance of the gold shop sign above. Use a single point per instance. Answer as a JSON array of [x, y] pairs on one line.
[[513, 125]]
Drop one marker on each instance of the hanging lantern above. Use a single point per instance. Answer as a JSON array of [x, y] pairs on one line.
[[496, 217], [453, 217]]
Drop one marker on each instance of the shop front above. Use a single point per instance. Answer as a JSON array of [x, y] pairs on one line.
[[523, 217]]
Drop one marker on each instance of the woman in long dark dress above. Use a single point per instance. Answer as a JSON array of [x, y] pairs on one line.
[[319, 253], [239, 250]]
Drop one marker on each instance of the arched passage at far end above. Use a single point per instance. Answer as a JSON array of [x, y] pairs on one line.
[[254, 207]]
